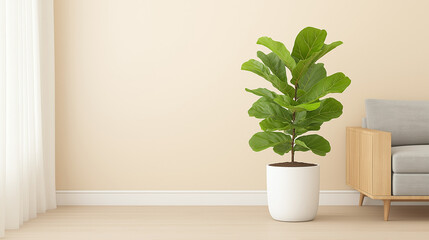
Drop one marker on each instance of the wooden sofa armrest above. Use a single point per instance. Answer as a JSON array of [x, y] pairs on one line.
[[369, 163]]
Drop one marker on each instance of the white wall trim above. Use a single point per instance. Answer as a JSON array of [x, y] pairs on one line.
[[197, 198], [161, 198], [200, 198]]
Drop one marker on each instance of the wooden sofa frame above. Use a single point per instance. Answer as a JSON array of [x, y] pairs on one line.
[[369, 166]]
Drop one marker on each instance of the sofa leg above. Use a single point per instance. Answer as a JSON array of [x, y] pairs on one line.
[[361, 198], [386, 209]]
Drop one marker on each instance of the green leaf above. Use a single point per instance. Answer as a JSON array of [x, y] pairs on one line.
[[287, 102], [284, 101], [314, 74], [308, 41], [279, 49], [303, 65], [282, 148], [317, 144], [299, 93], [335, 83], [300, 116], [327, 48], [302, 68], [264, 140], [282, 86], [263, 92], [256, 67], [298, 148], [270, 124], [307, 106], [265, 108], [329, 109], [274, 63], [299, 130], [260, 69]]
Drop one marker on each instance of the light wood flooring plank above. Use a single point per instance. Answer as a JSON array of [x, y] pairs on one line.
[[188, 223]]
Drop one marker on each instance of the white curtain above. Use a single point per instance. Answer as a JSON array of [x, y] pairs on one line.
[[27, 111]]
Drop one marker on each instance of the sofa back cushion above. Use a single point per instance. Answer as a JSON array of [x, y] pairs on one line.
[[408, 121]]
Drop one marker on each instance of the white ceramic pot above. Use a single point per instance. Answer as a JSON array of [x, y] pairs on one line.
[[293, 192]]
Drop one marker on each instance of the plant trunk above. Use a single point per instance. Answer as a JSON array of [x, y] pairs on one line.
[[293, 141], [293, 130]]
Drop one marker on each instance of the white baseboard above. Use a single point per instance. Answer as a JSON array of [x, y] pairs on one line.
[[200, 198], [161, 198]]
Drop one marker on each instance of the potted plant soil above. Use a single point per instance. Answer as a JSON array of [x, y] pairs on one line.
[[298, 107]]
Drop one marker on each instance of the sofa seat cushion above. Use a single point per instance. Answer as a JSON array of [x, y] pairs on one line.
[[410, 184], [410, 159]]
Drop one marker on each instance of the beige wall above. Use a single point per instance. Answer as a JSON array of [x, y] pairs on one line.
[[150, 96]]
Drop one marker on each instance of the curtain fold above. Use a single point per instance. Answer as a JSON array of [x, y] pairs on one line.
[[27, 111]]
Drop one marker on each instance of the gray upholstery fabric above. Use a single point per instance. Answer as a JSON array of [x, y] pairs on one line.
[[410, 159], [405, 184], [408, 121], [364, 123]]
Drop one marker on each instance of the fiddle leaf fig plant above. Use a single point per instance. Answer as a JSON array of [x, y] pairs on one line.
[[299, 105]]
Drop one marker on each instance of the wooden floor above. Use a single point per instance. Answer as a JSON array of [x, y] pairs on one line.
[[187, 223]]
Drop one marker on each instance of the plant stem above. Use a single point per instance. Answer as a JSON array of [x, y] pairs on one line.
[[293, 140], [293, 130]]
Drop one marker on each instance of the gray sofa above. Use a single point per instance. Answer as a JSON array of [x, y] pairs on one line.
[[408, 123]]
